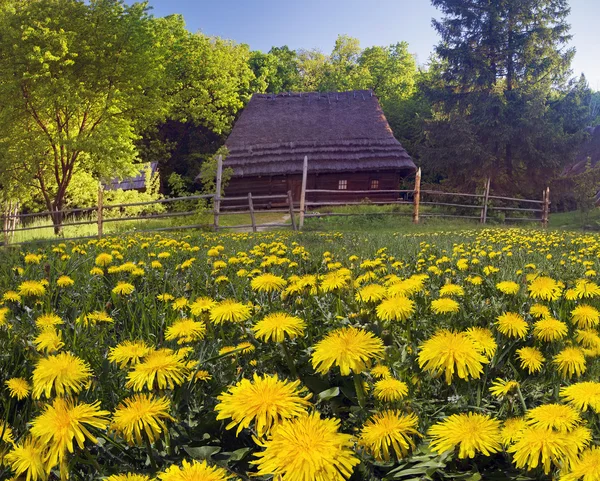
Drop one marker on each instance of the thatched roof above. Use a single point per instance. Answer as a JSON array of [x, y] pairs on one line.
[[339, 131]]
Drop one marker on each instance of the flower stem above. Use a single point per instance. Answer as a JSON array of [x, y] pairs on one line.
[[149, 451], [360, 391], [289, 360], [523, 405]]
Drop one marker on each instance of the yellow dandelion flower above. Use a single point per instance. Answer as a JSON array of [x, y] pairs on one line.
[[584, 468], [501, 387], [166, 297], [511, 430], [268, 283], [27, 460], [334, 281], [128, 352], [371, 293], [586, 289], [65, 421], [396, 308], [535, 445], [140, 417], [544, 288], [93, 318], [583, 395], [560, 417], [307, 448], [451, 353], [48, 321], [49, 341], [226, 350], [390, 389], [162, 369], [570, 362], [588, 338], [11, 296], [444, 306], [103, 259], [62, 373], [6, 434], [185, 330], [3, 314], [128, 477], [123, 288], [194, 471], [245, 347], [512, 324], [349, 348], [32, 289], [531, 359], [229, 310], [64, 281], [483, 339], [32, 258], [539, 311], [179, 303], [200, 375], [380, 371], [452, 290], [472, 433], [585, 316], [508, 287], [201, 305], [387, 432], [550, 329], [96, 271], [277, 326], [18, 387], [263, 402]]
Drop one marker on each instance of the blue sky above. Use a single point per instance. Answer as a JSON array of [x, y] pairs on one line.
[[316, 24]]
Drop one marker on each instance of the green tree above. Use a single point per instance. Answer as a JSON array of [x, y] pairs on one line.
[[498, 98], [78, 80]]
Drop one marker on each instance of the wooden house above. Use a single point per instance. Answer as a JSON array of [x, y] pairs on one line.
[[345, 135]]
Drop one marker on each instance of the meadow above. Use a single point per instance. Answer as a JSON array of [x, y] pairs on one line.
[[461, 355]]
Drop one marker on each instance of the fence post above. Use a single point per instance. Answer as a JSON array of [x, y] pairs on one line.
[[417, 196], [303, 192], [100, 211], [5, 223], [484, 207], [251, 209], [546, 208], [291, 206], [217, 198]]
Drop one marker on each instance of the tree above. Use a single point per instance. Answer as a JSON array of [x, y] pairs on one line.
[[504, 67], [78, 80]]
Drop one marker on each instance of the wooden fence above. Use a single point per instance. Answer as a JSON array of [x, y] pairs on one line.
[[425, 203]]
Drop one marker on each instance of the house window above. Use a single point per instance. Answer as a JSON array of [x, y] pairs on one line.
[[342, 184], [374, 184]]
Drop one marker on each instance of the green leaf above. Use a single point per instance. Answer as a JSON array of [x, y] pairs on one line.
[[329, 393], [202, 452]]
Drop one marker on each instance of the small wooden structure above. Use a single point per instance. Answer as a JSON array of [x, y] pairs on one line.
[[345, 136]]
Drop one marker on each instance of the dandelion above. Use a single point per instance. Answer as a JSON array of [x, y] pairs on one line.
[[396, 308], [588, 338], [48, 321], [583, 395], [586, 289], [6, 434], [512, 429], [483, 339], [194, 471], [185, 330], [62, 373], [380, 371], [544, 288], [451, 353], [349, 348], [179, 303], [390, 389], [550, 329], [501, 387], [32, 258], [452, 290], [535, 445], [539, 311], [512, 324], [277, 326], [161, 368], [123, 288], [444, 306], [11, 296], [128, 352], [229, 310], [128, 477], [570, 362], [18, 387], [63, 422], [307, 448], [64, 281], [531, 359], [49, 341], [334, 281], [32, 289], [201, 305], [141, 417], [508, 287], [103, 259], [559, 417], [268, 283], [387, 432], [585, 316], [470, 432], [371, 293], [166, 297], [585, 468], [264, 402], [245, 347], [28, 457]]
